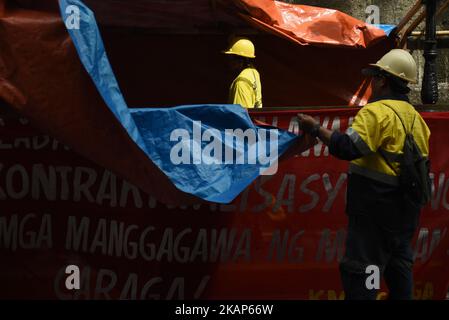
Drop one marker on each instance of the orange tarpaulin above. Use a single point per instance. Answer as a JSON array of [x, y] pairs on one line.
[[310, 25]]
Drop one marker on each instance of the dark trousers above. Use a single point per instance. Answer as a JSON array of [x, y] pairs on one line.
[[369, 244]]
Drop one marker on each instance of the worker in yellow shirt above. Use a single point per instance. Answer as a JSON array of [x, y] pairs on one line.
[[246, 89], [388, 180]]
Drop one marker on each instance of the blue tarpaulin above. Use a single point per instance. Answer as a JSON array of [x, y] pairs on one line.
[[197, 147], [387, 28], [207, 171]]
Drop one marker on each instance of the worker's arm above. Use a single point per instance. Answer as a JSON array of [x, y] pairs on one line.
[[241, 94], [340, 144]]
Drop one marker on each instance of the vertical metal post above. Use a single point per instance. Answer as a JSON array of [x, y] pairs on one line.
[[429, 90]]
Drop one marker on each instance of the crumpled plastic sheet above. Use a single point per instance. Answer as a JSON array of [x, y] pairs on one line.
[[151, 129]]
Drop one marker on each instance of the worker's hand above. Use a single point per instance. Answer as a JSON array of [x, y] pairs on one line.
[[306, 123], [305, 142]]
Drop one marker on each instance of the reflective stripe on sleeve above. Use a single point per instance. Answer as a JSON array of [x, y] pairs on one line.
[[375, 175], [358, 141], [391, 156]]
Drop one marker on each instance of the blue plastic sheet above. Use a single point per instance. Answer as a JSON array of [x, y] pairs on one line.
[[204, 172], [209, 175], [387, 28]]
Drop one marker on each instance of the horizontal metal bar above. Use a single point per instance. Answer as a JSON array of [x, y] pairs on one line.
[[420, 107], [416, 34]]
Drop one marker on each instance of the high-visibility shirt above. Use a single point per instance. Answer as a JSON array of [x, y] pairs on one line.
[[246, 89], [377, 128], [373, 187]]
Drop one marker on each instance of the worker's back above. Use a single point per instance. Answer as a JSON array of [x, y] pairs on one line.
[[373, 185], [246, 89], [380, 128]]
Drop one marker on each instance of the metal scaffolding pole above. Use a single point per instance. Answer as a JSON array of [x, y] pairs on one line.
[[429, 90]]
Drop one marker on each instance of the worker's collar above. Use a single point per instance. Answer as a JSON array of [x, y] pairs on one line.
[[396, 96]]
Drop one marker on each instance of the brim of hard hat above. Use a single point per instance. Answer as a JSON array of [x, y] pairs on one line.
[[238, 54], [374, 70], [371, 71]]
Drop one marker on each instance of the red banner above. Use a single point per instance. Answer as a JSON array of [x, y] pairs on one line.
[[281, 239]]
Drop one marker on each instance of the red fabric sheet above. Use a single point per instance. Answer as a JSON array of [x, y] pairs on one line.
[[295, 219], [42, 78]]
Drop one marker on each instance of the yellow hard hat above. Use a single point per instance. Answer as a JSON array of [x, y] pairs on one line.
[[399, 63], [242, 47]]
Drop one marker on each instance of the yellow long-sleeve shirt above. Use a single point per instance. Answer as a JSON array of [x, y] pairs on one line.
[[246, 89]]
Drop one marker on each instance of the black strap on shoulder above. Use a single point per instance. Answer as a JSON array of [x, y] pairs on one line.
[[381, 152], [400, 119]]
